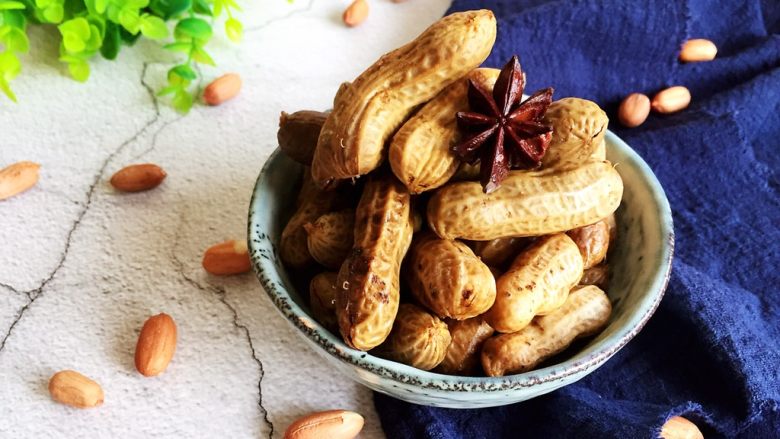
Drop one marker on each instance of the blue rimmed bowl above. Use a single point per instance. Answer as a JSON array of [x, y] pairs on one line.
[[640, 262]]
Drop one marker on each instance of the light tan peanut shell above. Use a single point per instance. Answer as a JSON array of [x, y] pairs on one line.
[[370, 109], [312, 203], [368, 298], [447, 278], [528, 203], [463, 353], [331, 424], [419, 338], [17, 178], [330, 237], [593, 242], [537, 283], [298, 134], [601, 152], [497, 252], [579, 127], [420, 152], [322, 298], [598, 276], [584, 313]]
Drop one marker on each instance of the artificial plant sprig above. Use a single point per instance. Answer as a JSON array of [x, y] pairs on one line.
[[89, 27]]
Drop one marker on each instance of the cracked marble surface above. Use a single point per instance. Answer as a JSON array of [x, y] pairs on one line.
[[81, 266]]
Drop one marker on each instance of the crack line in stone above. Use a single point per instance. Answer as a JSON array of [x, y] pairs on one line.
[[34, 294], [221, 296], [12, 289], [282, 18]]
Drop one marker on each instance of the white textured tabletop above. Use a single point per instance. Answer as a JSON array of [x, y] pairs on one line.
[[82, 267]]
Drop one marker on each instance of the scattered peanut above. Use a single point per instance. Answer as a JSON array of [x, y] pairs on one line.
[[332, 424], [634, 109], [156, 345], [698, 50], [226, 258], [418, 339], [585, 312], [74, 389], [222, 89], [137, 178], [678, 427], [671, 100], [356, 13], [537, 283], [17, 178]]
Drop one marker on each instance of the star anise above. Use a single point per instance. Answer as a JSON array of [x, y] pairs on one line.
[[502, 132]]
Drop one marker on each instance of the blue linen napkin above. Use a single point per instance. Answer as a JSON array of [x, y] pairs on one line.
[[711, 352]]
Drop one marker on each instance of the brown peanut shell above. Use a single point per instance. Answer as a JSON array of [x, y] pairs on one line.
[[418, 339], [579, 127], [593, 242], [463, 354], [330, 237], [298, 134], [322, 298]]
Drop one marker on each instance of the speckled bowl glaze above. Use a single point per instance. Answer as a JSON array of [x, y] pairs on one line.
[[640, 263]]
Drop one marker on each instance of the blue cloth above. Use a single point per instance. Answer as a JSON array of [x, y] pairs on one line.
[[711, 352]]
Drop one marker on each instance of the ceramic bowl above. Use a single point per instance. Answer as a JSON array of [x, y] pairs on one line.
[[640, 262]]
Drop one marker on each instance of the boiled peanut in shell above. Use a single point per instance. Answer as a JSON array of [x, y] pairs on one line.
[[448, 278], [418, 339], [322, 299], [528, 203], [312, 203], [497, 252], [579, 127], [537, 283], [593, 242], [298, 134], [463, 353], [368, 298], [330, 237], [585, 312], [420, 152], [370, 109]]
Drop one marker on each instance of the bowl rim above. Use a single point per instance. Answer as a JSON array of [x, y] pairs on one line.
[[600, 351]]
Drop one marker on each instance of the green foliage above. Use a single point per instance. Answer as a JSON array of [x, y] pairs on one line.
[[89, 27]]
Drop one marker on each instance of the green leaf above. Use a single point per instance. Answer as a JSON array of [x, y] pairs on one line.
[[129, 19], [16, 40], [231, 4], [75, 34], [168, 90], [192, 28], [201, 56], [182, 71], [127, 37], [9, 66], [75, 8], [100, 6], [14, 19], [6, 89], [178, 47], [111, 41], [95, 40], [9, 5], [79, 70], [53, 14], [182, 101], [234, 29], [218, 6], [201, 7], [169, 8], [153, 27]]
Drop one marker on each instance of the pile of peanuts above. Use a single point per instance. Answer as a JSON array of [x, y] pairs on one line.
[[413, 261]]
